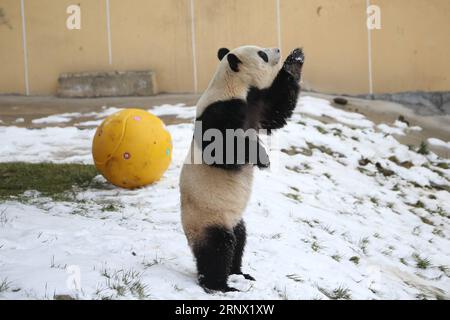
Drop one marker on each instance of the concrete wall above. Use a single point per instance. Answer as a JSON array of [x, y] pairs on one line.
[[412, 50], [179, 40]]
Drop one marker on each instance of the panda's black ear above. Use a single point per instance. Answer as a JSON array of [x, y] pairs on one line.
[[222, 53], [234, 62]]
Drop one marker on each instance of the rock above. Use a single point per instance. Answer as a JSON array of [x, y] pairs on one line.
[[340, 100], [364, 162], [402, 119], [385, 172]]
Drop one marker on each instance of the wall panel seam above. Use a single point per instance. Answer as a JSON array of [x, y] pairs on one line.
[[24, 47], [194, 51]]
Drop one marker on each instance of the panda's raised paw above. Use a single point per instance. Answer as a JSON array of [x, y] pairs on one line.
[[294, 63], [296, 56]]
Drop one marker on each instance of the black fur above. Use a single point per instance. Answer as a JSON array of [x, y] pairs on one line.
[[241, 237], [214, 256], [222, 53], [234, 62], [218, 255], [263, 56], [231, 114], [276, 103]]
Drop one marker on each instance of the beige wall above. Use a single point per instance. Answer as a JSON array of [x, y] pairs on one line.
[[12, 77], [334, 37], [410, 52], [154, 34]]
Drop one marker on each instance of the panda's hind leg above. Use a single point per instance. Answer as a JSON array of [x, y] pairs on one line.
[[240, 234], [214, 256]]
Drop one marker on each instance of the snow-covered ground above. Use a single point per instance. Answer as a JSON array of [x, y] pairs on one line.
[[345, 212]]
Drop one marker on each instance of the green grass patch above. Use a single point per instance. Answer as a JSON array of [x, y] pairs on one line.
[[355, 260], [119, 283], [419, 204], [321, 129], [421, 263], [374, 200], [427, 221], [442, 165], [295, 277], [340, 293], [366, 172], [292, 151], [293, 196], [4, 285], [49, 179], [363, 243], [316, 246], [336, 257], [423, 148], [111, 207], [325, 150]]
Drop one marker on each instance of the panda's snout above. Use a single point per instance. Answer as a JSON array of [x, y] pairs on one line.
[[275, 55]]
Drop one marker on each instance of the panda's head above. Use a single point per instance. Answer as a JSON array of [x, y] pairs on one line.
[[255, 66]]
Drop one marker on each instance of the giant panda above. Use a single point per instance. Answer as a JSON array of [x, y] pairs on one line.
[[250, 89]]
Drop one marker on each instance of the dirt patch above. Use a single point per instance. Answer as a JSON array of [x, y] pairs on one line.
[[13, 108]]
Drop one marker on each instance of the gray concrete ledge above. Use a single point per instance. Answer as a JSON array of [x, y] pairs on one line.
[[424, 103], [107, 84]]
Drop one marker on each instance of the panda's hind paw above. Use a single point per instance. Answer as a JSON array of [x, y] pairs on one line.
[[230, 289], [245, 275], [225, 288], [248, 277]]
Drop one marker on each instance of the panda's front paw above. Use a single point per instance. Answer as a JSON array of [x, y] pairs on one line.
[[294, 63]]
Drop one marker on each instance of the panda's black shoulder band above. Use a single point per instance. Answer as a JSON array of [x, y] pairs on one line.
[[276, 103], [236, 150], [219, 116]]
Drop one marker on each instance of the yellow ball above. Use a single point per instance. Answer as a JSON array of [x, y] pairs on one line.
[[131, 148]]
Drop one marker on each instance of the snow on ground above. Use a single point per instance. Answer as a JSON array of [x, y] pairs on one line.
[[309, 106], [439, 143], [63, 117], [70, 116], [179, 110], [345, 212]]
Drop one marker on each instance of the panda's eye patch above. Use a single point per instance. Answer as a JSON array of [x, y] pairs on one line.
[[263, 56]]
